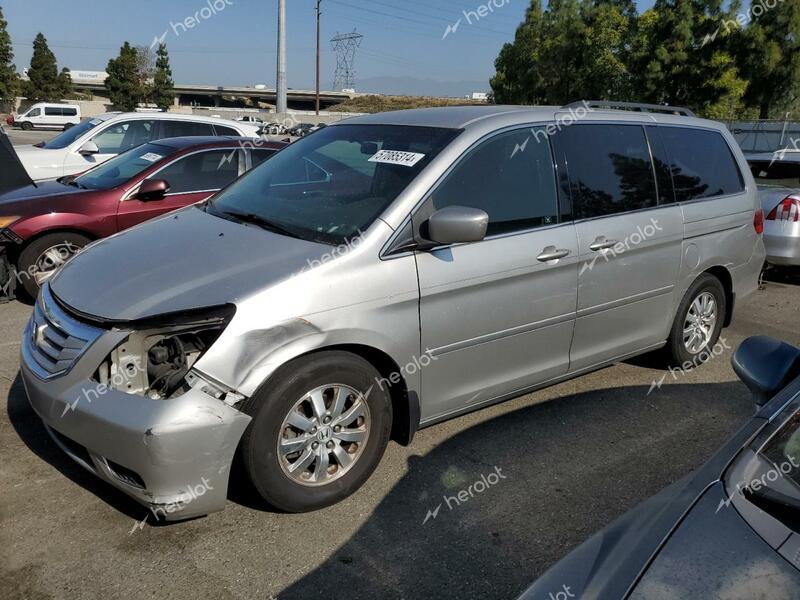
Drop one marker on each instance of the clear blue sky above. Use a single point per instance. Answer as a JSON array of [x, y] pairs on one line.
[[402, 38]]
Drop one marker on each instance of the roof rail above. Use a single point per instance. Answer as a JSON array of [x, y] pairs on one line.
[[634, 106]]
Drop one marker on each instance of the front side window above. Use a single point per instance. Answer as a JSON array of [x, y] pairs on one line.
[[332, 185], [123, 136], [65, 138], [34, 113], [510, 177], [609, 167], [170, 129], [701, 162], [121, 168], [202, 171]]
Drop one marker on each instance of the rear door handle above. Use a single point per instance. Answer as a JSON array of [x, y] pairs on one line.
[[552, 253], [601, 243]]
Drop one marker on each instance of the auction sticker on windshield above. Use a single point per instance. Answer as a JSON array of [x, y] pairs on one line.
[[397, 157], [151, 157]]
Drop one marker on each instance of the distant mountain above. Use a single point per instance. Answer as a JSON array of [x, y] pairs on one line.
[[412, 86]]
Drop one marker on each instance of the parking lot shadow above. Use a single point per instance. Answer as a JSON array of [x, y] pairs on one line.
[[487, 511], [31, 431]]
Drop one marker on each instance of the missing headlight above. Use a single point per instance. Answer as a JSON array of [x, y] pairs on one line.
[[155, 362]]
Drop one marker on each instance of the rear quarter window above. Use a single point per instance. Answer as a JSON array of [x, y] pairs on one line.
[[701, 162]]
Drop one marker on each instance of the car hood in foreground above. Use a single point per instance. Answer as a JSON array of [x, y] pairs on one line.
[[610, 563], [183, 261]]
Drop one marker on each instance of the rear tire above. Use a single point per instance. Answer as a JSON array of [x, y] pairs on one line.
[[698, 322], [68, 126], [39, 260], [290, 436]]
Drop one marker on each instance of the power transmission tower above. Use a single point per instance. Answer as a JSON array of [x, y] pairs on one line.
[[345, 45]]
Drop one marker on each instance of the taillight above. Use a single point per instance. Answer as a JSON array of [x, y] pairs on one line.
[[787, 210], [758, 221]]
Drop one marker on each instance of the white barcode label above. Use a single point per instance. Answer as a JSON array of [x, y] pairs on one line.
[[397, 157]]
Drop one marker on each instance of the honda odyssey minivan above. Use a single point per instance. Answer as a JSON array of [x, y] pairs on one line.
[[381, 275]]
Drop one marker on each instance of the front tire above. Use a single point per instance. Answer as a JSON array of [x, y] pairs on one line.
[[320, 427], [698, 322], [40, 259], [26, 126]]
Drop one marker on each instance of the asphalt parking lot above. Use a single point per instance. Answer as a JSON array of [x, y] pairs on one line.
[[20, 137], [570, 458]]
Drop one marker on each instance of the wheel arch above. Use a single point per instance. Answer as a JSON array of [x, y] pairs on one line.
[[725, 278], [405, 402], [17, 250]]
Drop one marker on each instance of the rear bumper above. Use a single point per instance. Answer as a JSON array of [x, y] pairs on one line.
[[782, 240], [173, 456]]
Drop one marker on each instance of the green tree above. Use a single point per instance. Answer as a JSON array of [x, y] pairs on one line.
[[682, 53], [45, 83], [9, 81], [162, 89], [124, 82], [769, 57]]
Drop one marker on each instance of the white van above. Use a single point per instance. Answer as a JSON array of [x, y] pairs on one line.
[[49, 116]]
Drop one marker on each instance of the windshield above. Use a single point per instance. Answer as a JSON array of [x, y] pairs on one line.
[[121, 168], [64, 139], [778, 174], [333, 184]]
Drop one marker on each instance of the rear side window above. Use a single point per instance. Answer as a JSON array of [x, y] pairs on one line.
[[172, 129], [609, 169], [222, 130], [52, 111], [259, 156], [510, 177], [701, 162], [69, 112]]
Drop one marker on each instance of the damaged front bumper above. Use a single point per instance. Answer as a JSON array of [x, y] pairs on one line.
[[171, 455]]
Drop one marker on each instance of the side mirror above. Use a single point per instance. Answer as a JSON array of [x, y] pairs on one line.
[[457, 225], [766, 366], [89, 148], [152, 189]]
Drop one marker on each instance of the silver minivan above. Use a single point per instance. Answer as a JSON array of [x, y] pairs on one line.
[[381, 275]]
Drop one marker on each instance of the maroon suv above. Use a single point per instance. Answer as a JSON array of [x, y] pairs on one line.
[[43, 225]]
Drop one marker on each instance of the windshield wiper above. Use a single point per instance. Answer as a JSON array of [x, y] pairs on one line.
[[262, 222]]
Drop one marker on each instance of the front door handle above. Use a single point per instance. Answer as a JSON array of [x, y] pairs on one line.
[[552, 253], [601, 243]]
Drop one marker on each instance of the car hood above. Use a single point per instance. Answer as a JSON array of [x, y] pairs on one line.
[[183, 261], [43, 189], [611, 561]]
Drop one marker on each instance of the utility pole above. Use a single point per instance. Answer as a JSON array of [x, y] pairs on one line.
[[280, 87], [318, 16]]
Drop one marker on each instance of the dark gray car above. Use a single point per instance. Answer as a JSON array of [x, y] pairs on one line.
[[731, 530]]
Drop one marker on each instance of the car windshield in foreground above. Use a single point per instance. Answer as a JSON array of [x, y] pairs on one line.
[[65, 138], [776, 174], [121, 168], [333, 184]]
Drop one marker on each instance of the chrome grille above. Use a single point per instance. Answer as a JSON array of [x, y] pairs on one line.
[[55, 340]]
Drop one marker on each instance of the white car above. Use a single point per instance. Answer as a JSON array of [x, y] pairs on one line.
[[47, 116], [95, 141]]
